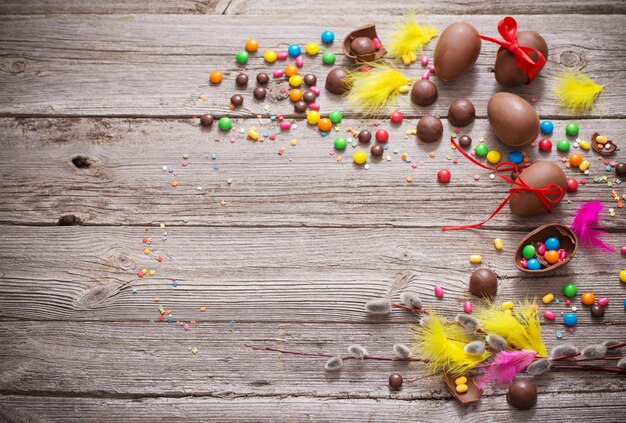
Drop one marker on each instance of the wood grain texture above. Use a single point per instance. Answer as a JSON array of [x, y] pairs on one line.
[[159, 65], [148, 7], [306, 186]]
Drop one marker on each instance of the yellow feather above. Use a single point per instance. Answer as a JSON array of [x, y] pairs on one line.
[[576, 92], [521, 329], [373, 92], [440, 343], [410, 36]]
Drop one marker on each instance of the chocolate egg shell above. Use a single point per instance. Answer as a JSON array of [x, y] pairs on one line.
[[336, 80], [512, 119], [473, 393], [456, 51], [368, 31], [567, 240], [461, 112], [603, 149], [506, 71], [424, 93], [538, 175], [429, 128]]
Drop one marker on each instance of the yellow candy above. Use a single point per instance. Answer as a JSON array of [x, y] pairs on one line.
[[294, 142], [507, 306], [461, 389], [359, 157], [622, 276], [313, 117], [270, 56], [406, 59], [601, 139], [253, 134], [312, 49], [547, 299], [475, 259], [460, 381], [584, 166], [497, 243], [584, 145], [404, 89], [412, 56], [146, 251], [152, 272], [295, 80], [493, 157]]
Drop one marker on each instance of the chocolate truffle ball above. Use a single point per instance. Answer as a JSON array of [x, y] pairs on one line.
[[377, 150], [483, 283], [241, 80], [206, 120], [395, 382], [310, 79], [236, 100], [363, 48], [620, 169], [309, 97], [461, 112], [335, 81], [429, 128], [522, 394], [262, 78], [597, 311], [465, 141], [300, 106], [424, 93], [259, 93], [365, 136]]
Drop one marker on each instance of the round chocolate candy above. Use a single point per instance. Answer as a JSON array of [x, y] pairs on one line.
[[483, 283], [363, 48], [424, 93], [262, 78], [465, 141], [310, 79], [309, 97], [522, 394], [429, 128], [377, 150], [206, 120], [597, 311], [365, 136], [241, 80], [335, 81], [300, 106], [395, 382], [236, 100], [461, 112], [620, 169], [259, 93]]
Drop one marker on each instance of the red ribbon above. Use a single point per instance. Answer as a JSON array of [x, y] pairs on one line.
[[549, 195], [507, 27]]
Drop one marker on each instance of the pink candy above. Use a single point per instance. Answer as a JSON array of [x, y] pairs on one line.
[[467, 306], [377, 43], [285, 125], [541, 250], [426, 75], [424, 61], [299, 61], [549, 315], [282, 55], [562, 255], [623, 249], [603, 302], [525, 263], [431, 68], [439, 291], [278, 73], [314, 106], [314, 90]]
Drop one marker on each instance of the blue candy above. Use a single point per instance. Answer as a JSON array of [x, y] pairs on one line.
[[547, 127], [327, 37], [294, 50], [533, 264], [570, 319], [516, 157], [552, 244]]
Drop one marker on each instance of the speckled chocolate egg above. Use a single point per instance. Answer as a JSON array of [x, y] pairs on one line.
[[538, 175], [512, 119], [505, 69], [456, 51]]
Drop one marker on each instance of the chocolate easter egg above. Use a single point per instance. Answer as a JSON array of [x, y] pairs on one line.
[[505, 69], [337, 80], [512, 119], [456, 51], [538, 175]]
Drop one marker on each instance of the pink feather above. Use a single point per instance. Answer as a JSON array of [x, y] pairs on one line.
[[585, 223], [505, 366]]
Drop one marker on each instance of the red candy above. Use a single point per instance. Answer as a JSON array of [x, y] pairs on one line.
[[545, 144], [572, 184], [382, 135], [396, 117], [444, 176]]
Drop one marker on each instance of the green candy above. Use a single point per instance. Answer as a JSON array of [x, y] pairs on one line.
[[571, 129], [528, 251], [225, 123], [562, 145], [335, 116], [570, 290], [340, 143], [328, 57], [481, 150], [242, 57]]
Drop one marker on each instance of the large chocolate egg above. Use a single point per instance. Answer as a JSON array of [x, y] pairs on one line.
[[506, 71], [456, 51], [512, 119], [538, 175]]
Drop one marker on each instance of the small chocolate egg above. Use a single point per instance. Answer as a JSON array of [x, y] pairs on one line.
[[483, 283], [456, 51], [512, 119], [538, 175], [363, 48], [424, 93], [506, 71], [429, 128], [461, 112], [336, 80], [522, 394]]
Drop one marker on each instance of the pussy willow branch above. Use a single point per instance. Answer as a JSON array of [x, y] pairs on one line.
[[343, 357]]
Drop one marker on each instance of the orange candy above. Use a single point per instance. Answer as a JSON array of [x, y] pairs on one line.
[[291, 70], [252, 45], [325, 124], [551, 256], [295, 95], [575, 159], [216, 77], [588, 298]]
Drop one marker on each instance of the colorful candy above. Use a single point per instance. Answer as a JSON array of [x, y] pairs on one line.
[[552, 243], [252, 45], [396, 117], [294, 50], [493, 157], [335, 116], [324, 124], [583, 166], [328, 57], [439, 291], [549, 315], [571, 129], [533, 264], [528, 251], [382, 136], [270, 56], [225, 123], [587, 298], [475, 259], [547, 127], [545, 144], [313, 117], [603, 302], [242, 57], [290, 70], [622, 276], [340, 143], [575, 159], [570, 319], [516, 157], [216, 77], [548, 298], [570, 290], [572, 185], [481, 150], [497, 243], [312, 49], [295, 80], [467, 306], [328, 37], [444, 176], [359, 157], [563, 145]]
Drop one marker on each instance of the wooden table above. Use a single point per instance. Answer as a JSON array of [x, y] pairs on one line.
[[96, 97]]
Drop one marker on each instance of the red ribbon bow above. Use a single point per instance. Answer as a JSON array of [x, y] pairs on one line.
[[549, 195], [507, 27]]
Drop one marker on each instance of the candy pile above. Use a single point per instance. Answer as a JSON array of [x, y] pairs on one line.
[[549, 250]]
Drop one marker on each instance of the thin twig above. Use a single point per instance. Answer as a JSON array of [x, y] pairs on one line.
[[343, 357], [591, 369]]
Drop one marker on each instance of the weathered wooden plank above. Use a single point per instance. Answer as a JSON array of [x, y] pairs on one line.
[[142, 359], [159, 65], [148, 7], [306, 186], [558, 407], [268, 274]]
